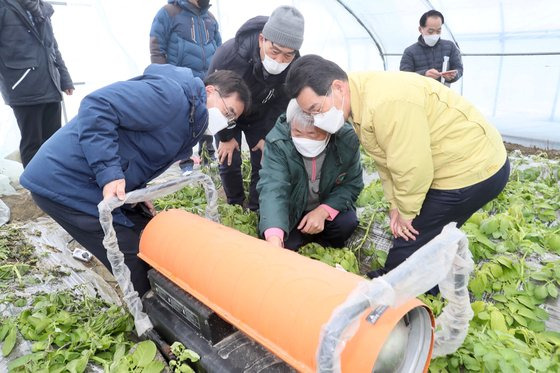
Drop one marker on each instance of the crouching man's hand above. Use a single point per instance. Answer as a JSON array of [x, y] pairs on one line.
[[314, 221]]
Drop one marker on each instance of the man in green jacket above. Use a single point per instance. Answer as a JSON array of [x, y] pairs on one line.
[[309, 182]]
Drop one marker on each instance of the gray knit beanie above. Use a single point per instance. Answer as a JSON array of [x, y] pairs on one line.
[[285, 27]]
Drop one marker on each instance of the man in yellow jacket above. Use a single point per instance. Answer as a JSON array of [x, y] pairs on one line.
[[439, 160]]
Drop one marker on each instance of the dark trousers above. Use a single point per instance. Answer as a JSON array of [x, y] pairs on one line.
[[335, 234], [442, 207], [87, 231], [232, 177], [36, 124]]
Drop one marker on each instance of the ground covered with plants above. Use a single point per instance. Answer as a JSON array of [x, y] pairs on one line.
[[515, 242], [63, 330]]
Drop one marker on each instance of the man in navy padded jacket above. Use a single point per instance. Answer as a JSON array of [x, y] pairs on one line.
[[125, 135]]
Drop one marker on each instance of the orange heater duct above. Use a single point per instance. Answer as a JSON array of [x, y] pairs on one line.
[[277, 297]]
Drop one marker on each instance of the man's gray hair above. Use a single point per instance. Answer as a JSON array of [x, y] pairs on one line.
[[296, 117]]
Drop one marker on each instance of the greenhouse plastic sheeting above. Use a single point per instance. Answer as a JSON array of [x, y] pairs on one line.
[[52, 250], [520, 93]]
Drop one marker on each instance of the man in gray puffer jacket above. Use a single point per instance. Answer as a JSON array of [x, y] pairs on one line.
[[32, 71], [426, 57]]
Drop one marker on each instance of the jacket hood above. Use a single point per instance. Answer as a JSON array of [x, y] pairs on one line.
[[247, 42], [185, 4], [193, 87], [182, 75], [250, 28]]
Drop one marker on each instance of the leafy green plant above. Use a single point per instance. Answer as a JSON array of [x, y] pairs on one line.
[[69, 329], [372, 212], [507, 333], [185, 361], [17, 257], [331, 256], [237, 217], [140, 359], [191, 199], [367, 161]]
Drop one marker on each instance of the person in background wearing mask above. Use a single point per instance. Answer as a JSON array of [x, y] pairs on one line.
[[438, 158], [309, 181], [125, 135], [426, 56], [32, 72], [185, 33], [261, 53]]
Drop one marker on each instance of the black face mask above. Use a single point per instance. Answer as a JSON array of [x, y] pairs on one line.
[[203, 3]]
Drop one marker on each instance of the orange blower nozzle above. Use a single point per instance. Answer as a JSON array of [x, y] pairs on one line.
[[277, 297]]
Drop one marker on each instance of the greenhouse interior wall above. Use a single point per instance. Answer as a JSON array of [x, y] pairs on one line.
[[511, 56], [511, 60]]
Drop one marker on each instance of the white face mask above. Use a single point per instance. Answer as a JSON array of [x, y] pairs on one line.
[[272, 66], [310, 148], [430, 40], [332, 120], [216, 121]]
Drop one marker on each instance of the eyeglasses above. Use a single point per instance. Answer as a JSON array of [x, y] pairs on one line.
[[329, 92], [229, 115]]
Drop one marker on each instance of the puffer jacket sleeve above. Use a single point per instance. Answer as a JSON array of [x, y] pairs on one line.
[[217, 35], [103, 113], [274, 188], [456, 62], [407, 61], [402, 132], [159, 36], [344, 195], [65, 79]]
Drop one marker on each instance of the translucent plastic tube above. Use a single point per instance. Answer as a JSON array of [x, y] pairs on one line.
[[4, 213], [444, 261], [116, 257]]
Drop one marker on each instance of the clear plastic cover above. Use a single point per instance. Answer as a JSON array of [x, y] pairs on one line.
[[4, 213], [115, 256], [444, 261]]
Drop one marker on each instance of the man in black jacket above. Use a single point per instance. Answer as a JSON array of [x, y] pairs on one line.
[[32, 71], [431, 54], [261, 53]]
